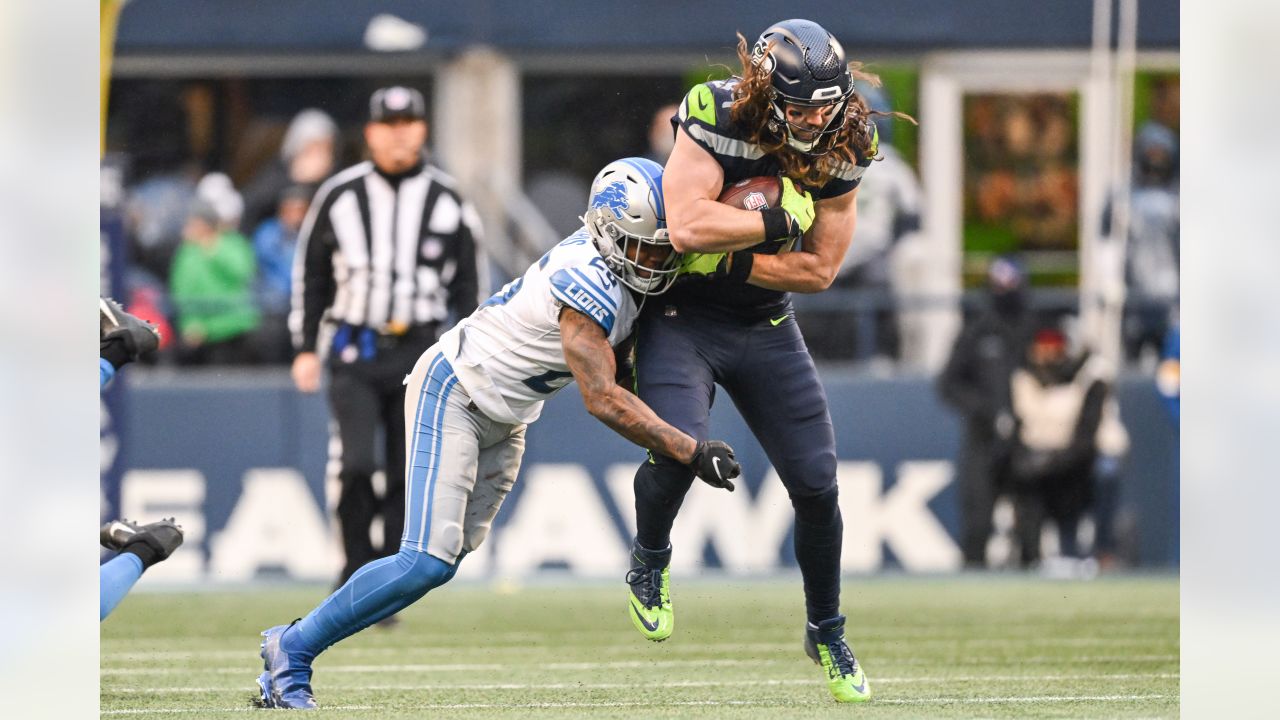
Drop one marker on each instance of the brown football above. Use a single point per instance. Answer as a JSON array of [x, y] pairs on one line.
[[755, 193]]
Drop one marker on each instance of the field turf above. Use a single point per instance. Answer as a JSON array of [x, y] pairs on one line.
[[990, 646]]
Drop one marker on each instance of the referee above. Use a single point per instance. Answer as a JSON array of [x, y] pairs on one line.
[[386, 260]]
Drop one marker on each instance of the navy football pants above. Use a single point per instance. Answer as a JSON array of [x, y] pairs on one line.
[[770, 377]]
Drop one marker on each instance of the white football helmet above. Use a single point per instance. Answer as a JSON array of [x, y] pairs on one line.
[[626, 204]]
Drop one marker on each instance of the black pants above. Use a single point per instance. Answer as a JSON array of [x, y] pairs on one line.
[[768, 373], [365, 396], [983, 476], [1062, 496]]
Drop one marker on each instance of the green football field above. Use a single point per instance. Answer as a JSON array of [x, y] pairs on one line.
[[954, 647]]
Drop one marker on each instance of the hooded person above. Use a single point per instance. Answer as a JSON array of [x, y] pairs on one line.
[[975, 382]]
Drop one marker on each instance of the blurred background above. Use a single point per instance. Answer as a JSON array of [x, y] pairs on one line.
[[1045, 163]]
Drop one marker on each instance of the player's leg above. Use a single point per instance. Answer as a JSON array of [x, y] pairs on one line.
[[116, 577], [672, 378], [776, 388], [443, 452], [140, 547], [496, 472], [355, 408]]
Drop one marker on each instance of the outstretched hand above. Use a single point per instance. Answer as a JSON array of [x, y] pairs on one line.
[[714, 464]]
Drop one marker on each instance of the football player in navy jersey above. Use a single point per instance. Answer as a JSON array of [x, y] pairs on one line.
[[793, 113]]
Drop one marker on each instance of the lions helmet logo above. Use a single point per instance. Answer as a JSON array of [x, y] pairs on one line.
[[614, 197]]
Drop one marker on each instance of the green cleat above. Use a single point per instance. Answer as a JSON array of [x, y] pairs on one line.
[[826, 646], [650, 597]]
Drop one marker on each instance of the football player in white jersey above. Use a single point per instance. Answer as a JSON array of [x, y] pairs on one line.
[[471, 395]]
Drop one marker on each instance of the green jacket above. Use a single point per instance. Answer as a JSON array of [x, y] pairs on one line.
[[212, 290]]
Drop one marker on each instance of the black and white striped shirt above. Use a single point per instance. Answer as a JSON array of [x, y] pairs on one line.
[[385, 252]]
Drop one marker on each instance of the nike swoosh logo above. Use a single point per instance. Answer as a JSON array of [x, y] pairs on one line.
[[715, 463], [647, 625], [702, 103], [862, 686], [777, 321]]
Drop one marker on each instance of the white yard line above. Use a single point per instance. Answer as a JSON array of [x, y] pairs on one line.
[[681, 683], [1031, 699], [170, 655], [249, 666]]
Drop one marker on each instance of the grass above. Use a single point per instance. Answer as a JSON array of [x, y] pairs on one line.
[[955, 647]]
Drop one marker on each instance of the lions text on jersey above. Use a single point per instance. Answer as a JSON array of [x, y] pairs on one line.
[[508, 354]]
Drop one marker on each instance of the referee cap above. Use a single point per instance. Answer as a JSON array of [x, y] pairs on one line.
[[396, 101]]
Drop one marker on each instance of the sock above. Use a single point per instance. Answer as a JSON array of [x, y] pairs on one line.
[[819, 538], [116, 577], [377, 590], [660, 487], [106, 371], [651, 558]]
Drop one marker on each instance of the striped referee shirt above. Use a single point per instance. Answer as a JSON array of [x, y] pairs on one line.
[[385, 252]]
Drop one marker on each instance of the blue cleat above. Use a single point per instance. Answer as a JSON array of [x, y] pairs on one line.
[[287, 680]]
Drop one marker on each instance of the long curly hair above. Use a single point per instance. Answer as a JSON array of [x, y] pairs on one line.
[[751, 108]]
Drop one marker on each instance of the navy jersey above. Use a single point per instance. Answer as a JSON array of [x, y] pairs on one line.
[[704, 116]]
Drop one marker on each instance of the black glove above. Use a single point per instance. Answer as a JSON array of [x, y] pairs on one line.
[[713, 463]]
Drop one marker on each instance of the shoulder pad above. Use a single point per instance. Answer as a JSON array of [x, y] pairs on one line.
[[707, 103]]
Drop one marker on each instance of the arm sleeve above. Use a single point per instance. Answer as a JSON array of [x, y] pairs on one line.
[[313, 284], [587, 290], [464, 289]]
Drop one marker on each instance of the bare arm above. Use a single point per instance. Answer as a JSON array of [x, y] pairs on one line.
[[691, 182], [815, 267], [590, 359]]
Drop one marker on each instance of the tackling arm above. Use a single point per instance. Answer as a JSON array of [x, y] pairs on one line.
[[813, 268], [591, 360]]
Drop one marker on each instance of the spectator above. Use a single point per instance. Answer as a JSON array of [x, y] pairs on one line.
[[216, 189], [1169, 372], [975, 381], [210, 284], [274, 243], [662, 134], [1113, 446], [1151, 254], [308, 155], [889, 206], [1060, 403]]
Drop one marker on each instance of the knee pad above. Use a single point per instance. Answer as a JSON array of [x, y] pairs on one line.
[[424, 572], [821, 509]]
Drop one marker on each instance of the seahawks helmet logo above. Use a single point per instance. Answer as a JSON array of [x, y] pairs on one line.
[[614, 197]]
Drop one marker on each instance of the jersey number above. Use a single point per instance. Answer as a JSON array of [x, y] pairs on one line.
[[549, 381], [502, 296]]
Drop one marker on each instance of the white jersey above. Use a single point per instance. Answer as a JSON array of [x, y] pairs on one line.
[[508, 355]]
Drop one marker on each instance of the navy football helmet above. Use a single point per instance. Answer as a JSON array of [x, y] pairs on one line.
[[806, 67], [626, 204]]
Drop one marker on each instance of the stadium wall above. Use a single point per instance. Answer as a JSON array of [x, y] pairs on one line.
[[241, 461]]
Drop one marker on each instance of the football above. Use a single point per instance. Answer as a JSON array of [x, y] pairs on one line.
[[755, 193]]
